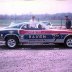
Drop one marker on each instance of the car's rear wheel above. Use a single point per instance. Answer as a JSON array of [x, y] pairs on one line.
[[68, 42], [11, 42]]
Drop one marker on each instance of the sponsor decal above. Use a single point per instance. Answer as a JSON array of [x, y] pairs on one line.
[[37, 36], [44, 36]]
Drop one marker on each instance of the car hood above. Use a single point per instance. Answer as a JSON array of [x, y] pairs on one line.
[[7, 28]]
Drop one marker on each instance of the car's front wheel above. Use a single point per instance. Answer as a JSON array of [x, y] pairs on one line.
[[11, 43], [68, 42]]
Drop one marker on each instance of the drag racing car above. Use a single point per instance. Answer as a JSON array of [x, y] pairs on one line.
[[22, 34]]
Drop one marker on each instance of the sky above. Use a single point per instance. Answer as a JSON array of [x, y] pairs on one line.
[[19, 7]]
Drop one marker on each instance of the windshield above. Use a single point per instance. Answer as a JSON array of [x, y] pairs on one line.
[[16, 26]]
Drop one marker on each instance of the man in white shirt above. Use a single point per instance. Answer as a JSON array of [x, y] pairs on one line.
[[33, 22]]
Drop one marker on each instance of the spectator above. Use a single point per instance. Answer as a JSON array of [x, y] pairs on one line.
[[68, 22]]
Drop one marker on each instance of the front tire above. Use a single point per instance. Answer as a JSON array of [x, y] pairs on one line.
[[11, 43], [68, 42]]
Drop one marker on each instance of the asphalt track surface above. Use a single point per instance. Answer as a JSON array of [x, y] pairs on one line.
[[53, 58]]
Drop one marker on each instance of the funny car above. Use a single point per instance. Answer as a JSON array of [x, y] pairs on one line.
[[22, 34]]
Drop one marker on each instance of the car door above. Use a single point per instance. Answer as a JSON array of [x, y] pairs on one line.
[[36, 35]]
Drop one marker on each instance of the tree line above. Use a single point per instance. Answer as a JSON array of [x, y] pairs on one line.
[[57, 16]]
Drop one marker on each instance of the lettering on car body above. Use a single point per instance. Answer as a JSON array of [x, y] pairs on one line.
[[37, 36]]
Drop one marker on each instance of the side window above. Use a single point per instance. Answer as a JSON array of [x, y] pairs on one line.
[[25, 26], [40, 26]]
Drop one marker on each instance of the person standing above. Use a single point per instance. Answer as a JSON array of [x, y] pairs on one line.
[[68, 22], [33, 22]]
